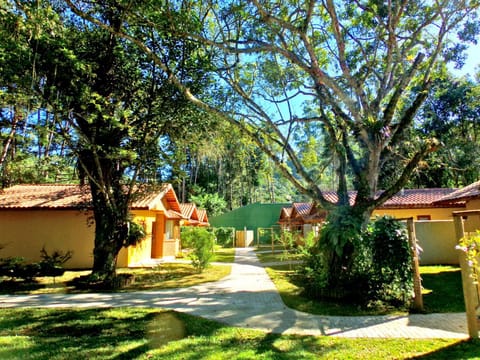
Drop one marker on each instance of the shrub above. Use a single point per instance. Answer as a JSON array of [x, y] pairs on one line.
[[391, 275], [379, 265], [470, 245], [136, 232], [52, 264], [201, 241], [15, 268], [224, 235]]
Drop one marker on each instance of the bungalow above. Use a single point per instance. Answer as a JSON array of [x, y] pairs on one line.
[[203, 217], [431, 208], [421, 204], [193, 216], [469, 198], [302, 217], [59, 217]]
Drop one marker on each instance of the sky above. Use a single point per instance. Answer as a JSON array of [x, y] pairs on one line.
[[473, 62]]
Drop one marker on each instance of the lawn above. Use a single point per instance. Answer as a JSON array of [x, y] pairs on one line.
[[278, 255], [166, 275], [442, 293], [224, 255], [163, 276], [121, 333]]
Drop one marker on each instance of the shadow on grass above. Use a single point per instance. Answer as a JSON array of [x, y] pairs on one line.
[[468, 349], [138, 333], [443, 291], [84, 334]]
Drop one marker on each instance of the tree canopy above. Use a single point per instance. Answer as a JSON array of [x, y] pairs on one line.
[[327, 90], [357, 70]]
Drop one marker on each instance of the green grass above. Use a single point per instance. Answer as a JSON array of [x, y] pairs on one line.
[[292, 295], [164, 276], [121, 333], [442, 289], [224, 255], [279, 254], [442, 293]]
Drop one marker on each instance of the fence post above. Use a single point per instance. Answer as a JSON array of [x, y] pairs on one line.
[[469, 290], [417, 282]]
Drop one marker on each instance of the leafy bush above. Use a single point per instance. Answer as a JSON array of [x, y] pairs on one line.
[[470, 245], [329, 263], [213, 203], [373, 267], [201, 241], [313, 273], [136, 232], [391, 275], [224, 235], [15, 268], [52, 264]]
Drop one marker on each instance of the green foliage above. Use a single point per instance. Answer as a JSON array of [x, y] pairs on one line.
[[470, 245], [224, 235], [450, 114], [52, 264], [15, 268], [201, 242], [374, 268], [136, 233], [341, 231], [390, 277], [334, 254], [213, 203]]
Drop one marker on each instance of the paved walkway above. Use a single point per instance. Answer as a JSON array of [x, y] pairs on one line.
[[248, 298]]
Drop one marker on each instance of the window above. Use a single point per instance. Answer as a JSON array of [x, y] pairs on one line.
[[169, 229], [424, 217]]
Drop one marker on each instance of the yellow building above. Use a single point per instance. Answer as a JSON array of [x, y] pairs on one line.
[[430, 208], [469, 197], [421, 204], [59, 217]]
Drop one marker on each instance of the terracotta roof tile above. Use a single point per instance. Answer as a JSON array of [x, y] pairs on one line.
[[52, 196], [45, 196], [203, 216], [189, 211], [416, 198], [463, 194], [408, 198], [302, 209]]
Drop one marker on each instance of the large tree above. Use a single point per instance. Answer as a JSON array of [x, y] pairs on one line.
[[120, 108], [360, 69]]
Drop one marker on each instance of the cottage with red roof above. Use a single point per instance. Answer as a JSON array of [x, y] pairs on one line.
[[421, 204], [431, 208], [59, 217]]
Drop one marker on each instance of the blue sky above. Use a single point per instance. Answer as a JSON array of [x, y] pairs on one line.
[[473, 62]]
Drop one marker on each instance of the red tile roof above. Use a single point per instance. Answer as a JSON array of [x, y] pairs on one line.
[[202, 216], [45, 196], [405, 199], [189, 211], [468, 192], [52, 196], [302, 209], [416, 198]]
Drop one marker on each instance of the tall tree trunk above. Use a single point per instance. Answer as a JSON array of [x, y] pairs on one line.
[[111, 231]]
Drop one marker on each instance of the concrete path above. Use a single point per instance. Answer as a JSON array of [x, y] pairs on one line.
[[248, 298]]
